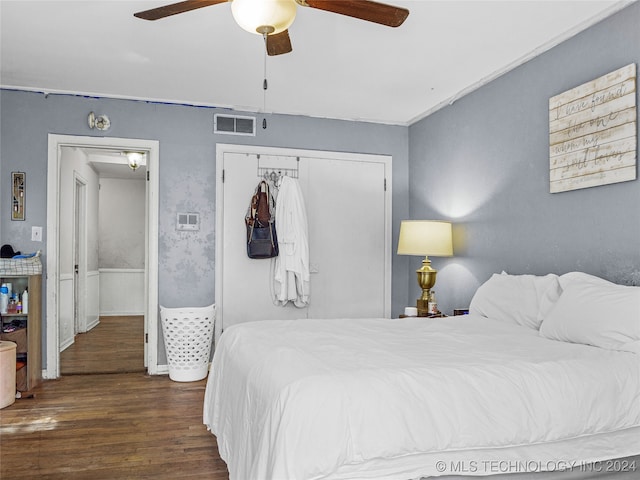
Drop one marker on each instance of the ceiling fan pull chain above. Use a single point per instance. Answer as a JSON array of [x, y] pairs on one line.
[[264, 102], [265, 85]]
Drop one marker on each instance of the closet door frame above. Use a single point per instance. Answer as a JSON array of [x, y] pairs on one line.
[[222, 149]]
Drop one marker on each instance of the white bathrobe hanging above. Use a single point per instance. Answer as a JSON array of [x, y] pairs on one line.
[[291, 272]]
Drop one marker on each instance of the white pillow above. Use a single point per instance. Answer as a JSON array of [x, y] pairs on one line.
[[601, 314], [520, 299], [582, 278]]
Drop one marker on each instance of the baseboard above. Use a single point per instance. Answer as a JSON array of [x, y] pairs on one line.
[[161, 370], [121, 314], [93, 324], [65, 345]]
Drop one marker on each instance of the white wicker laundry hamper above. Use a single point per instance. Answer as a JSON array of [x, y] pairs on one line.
[[188, 335]]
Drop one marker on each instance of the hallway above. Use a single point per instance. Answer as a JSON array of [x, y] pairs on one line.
[[115, 345]]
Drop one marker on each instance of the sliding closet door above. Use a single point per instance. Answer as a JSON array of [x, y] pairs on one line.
[[349, 240], [346, 205]]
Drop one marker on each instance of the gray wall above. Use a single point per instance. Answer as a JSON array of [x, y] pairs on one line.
[[483, 162], [121, 223], [187, 172]]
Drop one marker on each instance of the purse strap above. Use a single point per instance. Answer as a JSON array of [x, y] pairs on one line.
[[264, 187], [252, 211]]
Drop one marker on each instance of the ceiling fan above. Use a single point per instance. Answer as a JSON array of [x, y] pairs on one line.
[[272, 18]]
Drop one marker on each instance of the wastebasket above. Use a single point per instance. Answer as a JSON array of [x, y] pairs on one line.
[[188, 335], [7, 373]]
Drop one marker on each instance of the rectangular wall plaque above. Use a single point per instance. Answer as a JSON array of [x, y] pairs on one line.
[[17, 195], [593, 134]]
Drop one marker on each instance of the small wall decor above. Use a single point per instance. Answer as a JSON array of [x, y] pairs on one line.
[[592, 132], [17, 195]]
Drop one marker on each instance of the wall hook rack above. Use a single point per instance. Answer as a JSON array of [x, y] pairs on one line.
[[274, 174]]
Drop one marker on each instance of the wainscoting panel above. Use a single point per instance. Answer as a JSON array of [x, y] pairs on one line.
[[66, 328], [93, 299], [121, 291]]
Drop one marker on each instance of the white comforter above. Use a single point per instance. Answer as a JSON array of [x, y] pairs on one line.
[[315, 399]]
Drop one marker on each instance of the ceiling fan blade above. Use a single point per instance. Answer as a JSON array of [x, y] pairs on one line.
[[175, 8], [363, 9], [279, 43]]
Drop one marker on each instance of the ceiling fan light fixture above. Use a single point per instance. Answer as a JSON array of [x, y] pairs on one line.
[[264, 16]]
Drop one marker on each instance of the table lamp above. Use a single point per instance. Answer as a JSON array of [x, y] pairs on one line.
[[425, 237]]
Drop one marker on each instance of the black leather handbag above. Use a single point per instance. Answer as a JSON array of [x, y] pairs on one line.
[[262, 241]]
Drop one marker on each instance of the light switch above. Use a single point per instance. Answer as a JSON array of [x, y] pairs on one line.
[[36, 234]]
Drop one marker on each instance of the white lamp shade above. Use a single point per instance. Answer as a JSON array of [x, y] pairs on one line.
[[253, 14], [425, 237]]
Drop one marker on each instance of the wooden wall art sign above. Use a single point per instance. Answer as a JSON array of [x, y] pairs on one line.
[[593, 133]]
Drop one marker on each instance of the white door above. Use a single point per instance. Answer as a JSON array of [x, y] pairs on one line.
[[349, 236]]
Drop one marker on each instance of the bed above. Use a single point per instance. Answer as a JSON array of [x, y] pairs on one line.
[[542, 375]]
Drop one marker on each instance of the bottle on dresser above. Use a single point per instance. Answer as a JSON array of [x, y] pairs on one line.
[[4, 298], [432, 306], [25, 301]]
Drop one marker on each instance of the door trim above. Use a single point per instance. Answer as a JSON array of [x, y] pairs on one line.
[[55, 144], [222, 149], [80, 254]]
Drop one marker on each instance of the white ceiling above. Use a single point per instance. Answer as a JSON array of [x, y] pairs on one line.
[[339, 68], [113, 163]]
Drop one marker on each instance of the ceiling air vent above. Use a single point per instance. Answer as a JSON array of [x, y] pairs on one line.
[[234, 125]]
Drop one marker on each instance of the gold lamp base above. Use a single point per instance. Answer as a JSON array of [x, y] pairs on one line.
[[426, 279]]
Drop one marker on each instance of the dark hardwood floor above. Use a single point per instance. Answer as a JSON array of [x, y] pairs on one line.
[[115, 345], [114, 426]]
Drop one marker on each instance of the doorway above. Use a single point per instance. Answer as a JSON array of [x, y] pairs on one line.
[[115, 303], [71, 150]]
